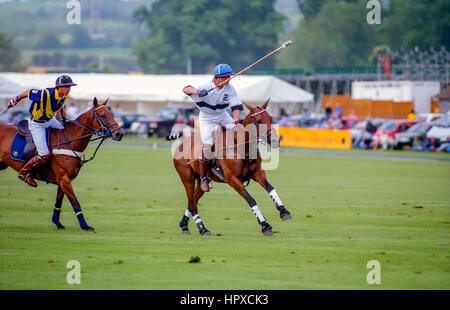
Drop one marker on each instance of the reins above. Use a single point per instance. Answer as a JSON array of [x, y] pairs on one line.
[[103, 132]]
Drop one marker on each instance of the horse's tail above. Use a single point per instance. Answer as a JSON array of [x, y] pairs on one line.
[[174, 136]]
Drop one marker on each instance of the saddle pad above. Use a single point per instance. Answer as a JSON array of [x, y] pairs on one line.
[[17, 148]]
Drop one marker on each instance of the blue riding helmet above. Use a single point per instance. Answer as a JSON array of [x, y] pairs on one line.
[[223, 70]]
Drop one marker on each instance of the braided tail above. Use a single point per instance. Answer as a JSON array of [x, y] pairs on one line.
[[174, 136]]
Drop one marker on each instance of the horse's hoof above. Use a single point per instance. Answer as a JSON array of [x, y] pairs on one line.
[[286, 216], [89, 228], [268, 232], [60, 227], [186, 232], [267, 229], [206, 233]]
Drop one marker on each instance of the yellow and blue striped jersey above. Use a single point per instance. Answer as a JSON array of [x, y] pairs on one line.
[[45, 103]]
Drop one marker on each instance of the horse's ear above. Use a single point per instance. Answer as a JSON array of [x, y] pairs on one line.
[[265, 104], [106, 101], [95, 102], [251, 109]]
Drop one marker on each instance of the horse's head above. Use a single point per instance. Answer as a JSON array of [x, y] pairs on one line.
[[104, 120], [263, 122]]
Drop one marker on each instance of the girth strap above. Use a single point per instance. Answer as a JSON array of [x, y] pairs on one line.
[[67, 152]]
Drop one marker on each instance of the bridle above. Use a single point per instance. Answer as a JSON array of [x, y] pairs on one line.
[[103, 133], [255, 122]]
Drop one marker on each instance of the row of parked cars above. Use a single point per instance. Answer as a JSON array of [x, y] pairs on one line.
[[131, 122], [377, 132], [160, 125], [366, 134]]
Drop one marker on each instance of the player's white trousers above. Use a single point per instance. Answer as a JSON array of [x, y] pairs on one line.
[[38, 132]]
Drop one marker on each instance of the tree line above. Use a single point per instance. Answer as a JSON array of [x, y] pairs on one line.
[[174, 36], [332, 33]]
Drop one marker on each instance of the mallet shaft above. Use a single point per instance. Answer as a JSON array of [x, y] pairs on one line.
[[285, 44]]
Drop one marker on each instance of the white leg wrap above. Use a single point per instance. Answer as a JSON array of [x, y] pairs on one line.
[[258, 214], [197, 219], [187, 213], [273, 194]]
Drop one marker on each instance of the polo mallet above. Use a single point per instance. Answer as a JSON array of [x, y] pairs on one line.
[[285, 44]]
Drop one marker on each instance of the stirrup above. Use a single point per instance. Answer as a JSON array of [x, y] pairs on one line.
[[28, 179]]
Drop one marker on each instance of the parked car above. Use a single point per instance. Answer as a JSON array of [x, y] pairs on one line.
[[126, 119], [299, 121], [429, 117], [14, 115], [385, 135], [347, 123], [167, 117], [406, 138]]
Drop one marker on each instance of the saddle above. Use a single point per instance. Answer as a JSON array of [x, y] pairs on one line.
[[22, 147]]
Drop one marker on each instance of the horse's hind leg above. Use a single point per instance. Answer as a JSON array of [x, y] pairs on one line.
[[236, 183], [260, 177], [57, 209], [66, 187]]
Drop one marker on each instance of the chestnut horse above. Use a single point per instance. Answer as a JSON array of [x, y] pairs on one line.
[[67, 146], [236, 168]]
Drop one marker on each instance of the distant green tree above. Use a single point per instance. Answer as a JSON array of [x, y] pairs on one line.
[[206, 32], [310, 8], [9, 55], [421, 23], [338, 36]]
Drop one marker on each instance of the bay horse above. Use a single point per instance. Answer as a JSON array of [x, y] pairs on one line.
[[237, 168], [67, 147]]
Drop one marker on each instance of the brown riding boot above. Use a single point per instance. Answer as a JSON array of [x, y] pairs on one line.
[[36, 161], [204, 182]]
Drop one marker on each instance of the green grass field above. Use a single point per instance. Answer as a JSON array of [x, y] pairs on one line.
[[346, 211]]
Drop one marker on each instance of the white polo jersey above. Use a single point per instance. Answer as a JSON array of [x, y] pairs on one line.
[[213, 109], [217, 100]]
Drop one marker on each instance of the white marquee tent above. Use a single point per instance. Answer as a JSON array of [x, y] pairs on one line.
[[147, 93]]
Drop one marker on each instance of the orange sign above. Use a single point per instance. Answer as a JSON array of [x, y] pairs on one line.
[[315, 138]]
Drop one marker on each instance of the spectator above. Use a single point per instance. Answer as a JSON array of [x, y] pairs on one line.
[[445, 146], [416, 146], [412, 115], [328, 111], [352, 115], [179, 120], [431, 144], [363, 140], [191, 122], [306, 113], [338, 110]]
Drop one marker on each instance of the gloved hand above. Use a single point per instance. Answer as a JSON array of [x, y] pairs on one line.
[[13, 102], [202, 93]]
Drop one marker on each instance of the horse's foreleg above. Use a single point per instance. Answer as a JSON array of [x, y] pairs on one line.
[[193, 193], [236, 183], [57, 209], [66, 187], [260, 177]]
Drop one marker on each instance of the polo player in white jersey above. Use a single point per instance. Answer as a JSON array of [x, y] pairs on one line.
[[212, 99]]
